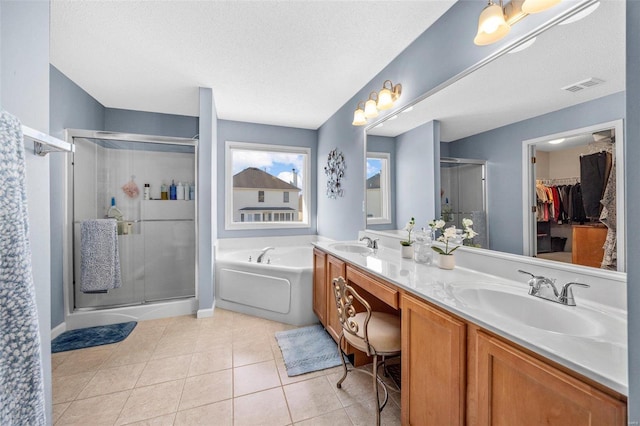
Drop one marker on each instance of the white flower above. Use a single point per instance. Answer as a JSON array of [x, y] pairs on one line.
[[440, 223], [467, 222], [469, 234], [409, 226], [450, 233]]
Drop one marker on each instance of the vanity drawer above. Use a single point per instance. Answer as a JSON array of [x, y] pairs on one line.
[[370, 284]]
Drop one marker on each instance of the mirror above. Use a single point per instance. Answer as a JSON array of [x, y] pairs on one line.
[[571, 77]]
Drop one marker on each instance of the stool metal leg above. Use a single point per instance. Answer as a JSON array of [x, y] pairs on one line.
[[344, 364]]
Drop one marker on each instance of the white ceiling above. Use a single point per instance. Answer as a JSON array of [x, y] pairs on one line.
[[522, 85], [290, 63]]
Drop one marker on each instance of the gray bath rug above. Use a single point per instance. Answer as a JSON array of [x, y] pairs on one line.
[[307, 349]]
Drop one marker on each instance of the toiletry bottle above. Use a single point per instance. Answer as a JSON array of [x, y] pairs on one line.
[[180, 191], [172, 190], [164, 193], [192, 191], [147, 191], [115, 213]]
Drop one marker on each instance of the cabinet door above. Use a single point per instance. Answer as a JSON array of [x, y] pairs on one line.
[[514, 388], [335, 268], [433, 365], [320, 285]]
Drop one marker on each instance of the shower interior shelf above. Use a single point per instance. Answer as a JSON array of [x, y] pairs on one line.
[[44, 143]]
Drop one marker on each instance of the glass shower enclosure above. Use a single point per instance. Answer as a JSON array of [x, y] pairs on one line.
[[463, 195], [156, 237]]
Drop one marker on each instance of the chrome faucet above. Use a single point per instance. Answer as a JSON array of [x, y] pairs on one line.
[[372, 244], [263, 252], [545, 288]]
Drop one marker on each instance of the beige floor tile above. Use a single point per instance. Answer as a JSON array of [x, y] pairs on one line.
[[220, 358], [151, 401], [100, 410], [311, 398], [164, 370], [58, 410], [109, 380], [251, 353], [161, 322], [262, 408], [357, 387], [57, 359], [207, 389], [220, 414], [166, 420], [334, 418], [67, 388], [174, 345], [365, 414], [209, 341], [84, 360], [255, 377], [126, 355]]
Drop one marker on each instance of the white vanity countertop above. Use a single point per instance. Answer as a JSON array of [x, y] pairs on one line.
[[595, 341]]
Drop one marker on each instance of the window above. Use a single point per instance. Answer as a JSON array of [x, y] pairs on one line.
[[378, 188], [256, 175]]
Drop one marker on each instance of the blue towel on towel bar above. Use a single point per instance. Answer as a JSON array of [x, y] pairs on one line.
[[99, 259], [21, 378]]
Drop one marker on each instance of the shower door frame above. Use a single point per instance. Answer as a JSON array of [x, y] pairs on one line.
[[485, 195], [68, 230]]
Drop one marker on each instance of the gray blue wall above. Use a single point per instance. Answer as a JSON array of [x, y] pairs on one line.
[[264, 134], [24, 92], [70, 108], [632, 159], [502, 148], [441, 52], [150, 123]]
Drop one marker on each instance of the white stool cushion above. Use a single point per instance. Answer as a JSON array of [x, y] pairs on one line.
[[383, 332]]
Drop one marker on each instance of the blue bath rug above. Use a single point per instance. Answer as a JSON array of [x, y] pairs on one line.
[[307, 349], [92, 336]]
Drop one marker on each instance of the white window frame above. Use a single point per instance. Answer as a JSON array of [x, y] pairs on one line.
[[385, 188], [230, 146]]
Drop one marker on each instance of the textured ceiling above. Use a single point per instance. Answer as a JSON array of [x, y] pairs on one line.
[[528, 83], [291, 63]]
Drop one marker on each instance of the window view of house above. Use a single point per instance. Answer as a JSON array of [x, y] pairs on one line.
[[267, 185]]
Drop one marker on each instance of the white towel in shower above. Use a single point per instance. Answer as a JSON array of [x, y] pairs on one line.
[[21, 377], [99, 259]]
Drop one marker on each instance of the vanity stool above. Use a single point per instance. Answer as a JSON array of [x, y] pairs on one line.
[[375, 333]]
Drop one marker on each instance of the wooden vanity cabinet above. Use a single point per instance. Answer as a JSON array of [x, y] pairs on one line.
[[511, 387], [433, 365], [320, 285], [335, 268]]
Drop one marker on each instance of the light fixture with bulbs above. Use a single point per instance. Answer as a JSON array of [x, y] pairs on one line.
[[377, 101], [496, 19]]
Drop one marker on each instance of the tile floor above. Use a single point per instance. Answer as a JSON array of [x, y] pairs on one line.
[[224, 370]]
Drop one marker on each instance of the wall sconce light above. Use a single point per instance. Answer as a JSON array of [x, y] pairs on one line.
[[358, 115], [496, 19], [376, 102], [388, 95]]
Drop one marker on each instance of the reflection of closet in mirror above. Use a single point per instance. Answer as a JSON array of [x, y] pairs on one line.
[[575, 183], [463, 195]]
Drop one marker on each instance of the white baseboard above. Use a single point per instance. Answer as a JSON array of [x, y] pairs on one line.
[[58, 330], [206, 313]]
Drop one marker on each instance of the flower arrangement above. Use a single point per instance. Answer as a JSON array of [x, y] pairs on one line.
[[409, 228], [450, 233]]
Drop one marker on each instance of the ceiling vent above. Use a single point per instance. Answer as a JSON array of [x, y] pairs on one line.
[[584, 84]]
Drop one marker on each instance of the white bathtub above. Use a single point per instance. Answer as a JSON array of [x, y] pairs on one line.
[[281, 290]]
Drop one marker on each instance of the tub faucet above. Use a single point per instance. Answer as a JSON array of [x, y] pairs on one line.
[[545, 288], [263, 252]]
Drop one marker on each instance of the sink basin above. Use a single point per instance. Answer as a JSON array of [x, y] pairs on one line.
[[351, 248], [529, 311]]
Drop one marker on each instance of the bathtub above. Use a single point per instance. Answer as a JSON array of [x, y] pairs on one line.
[[280, 288]]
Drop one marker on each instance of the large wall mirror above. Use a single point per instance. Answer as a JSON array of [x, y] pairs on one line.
[[569, 77]]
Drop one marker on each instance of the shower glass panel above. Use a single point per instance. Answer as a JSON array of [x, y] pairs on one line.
[[463, 195], [156, 238]]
